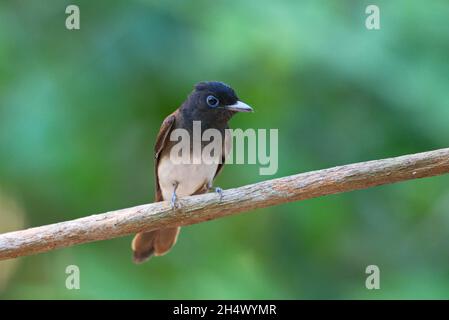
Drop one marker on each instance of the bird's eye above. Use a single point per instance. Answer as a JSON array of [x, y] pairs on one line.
[[212, 101]]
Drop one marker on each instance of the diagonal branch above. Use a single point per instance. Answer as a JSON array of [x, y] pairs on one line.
[[205, 207]]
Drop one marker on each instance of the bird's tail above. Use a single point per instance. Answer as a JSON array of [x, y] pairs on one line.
[[157, 243]]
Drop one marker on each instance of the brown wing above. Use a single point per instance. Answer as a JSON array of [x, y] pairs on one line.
[[226, 149], [161, 140]]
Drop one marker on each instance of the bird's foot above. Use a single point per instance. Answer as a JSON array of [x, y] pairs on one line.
[[219, 191], [173, 202], [174, 198]]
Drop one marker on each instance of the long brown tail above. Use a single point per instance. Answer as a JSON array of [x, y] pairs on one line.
[[157, 243]]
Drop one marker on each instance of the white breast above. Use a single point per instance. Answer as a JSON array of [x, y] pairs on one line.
[[189, 177]]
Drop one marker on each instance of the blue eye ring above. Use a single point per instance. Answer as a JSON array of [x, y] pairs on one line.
[[212, 101]]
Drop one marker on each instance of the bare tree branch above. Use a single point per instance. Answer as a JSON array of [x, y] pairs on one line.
[[201, 208]]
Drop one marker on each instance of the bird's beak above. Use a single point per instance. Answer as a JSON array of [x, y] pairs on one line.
[[239, 106]]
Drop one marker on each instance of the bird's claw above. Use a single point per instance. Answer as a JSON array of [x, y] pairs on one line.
[[174, 199], [219, 191], [173, 203]]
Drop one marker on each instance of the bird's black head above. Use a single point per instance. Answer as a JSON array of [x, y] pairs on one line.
[[214, 102]]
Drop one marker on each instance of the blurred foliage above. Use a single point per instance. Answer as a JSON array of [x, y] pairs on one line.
[[79, 112], [11, 219]]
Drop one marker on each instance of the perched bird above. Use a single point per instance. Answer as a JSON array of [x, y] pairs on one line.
[[214, 104]]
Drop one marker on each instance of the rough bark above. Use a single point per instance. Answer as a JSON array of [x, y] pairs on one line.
[[205, 207]]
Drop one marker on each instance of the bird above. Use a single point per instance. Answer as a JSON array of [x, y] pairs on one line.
[[213, 103]]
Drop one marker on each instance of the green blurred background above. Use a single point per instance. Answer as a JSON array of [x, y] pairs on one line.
[[79, 112]]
